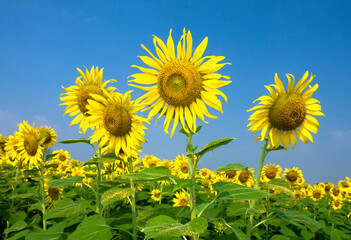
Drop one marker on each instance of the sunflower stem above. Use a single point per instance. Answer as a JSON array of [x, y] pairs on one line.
[[257, 182], [132, 202], [43, 202], [192, 171], [98, 183]]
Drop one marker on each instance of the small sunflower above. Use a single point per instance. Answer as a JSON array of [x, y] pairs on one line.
[[336, 203], [3, 141], [156, 195], [294, 176], [285, 113], [150, 161], [181, 85], [245, 177], [328, 188], [61, 156], [181, 167], [29, 144], [181, 199], [118, 128], [271, 171], [316, 193], [12, 152], [168, 164], [206, 173], [50, 136], [76, 97]]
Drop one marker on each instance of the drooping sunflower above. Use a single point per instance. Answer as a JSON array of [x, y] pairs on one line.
[[285, 113], [294, 176], [29, 144], [181, 199], [180, 86], [270, 171], [50, 136], [76, 97], [118, 128]]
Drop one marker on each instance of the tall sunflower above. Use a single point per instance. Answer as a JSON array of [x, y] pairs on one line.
[[118, 128], [285, 113], [180, 86], [76, 97], [30, 144]]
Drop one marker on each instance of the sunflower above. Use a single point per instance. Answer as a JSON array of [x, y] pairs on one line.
[[336, 203], [181, 85], [3, 141], [156, 195], [118, 128], [270, 171], [316, 193], [50, 136], [13, 155], [285, 113], [245, 177], [181, 199], [181, 167], [294, 176], [206, 173], [62, 156], [29, 144], [76, 97], [150, 161]]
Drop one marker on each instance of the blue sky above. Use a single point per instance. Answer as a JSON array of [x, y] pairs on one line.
[[43, 42]]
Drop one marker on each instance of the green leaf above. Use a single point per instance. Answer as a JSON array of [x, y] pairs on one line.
[[275, 149], [279, 237], [66, 208], [168, 228], [182, 183], [338, 234], [115, 194], [50, 156], [79, 140], [53, 233], [231, 167], [19, 235], [232, 191], [17, 226], [298, 219], [306, 234], [65, 181], [213, 145], [238, 233], [92, 228], [150, 174]]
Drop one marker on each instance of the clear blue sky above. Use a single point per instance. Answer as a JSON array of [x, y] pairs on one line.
[[43, 42]]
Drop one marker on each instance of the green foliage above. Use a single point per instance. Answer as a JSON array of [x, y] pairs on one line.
[[232, 191], [213, 145]]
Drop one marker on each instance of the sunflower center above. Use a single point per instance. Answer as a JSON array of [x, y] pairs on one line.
[[271, 173], [287, 112], [62, 158], [31, 145], [244, 177], [292, 176], [184, 169], [117, 121], [47, 137], [337, 203], [152, 164], [230, 174], [53, 191], [84, 95], [336, 191], [317, 194], [179, 83], [183, 202]]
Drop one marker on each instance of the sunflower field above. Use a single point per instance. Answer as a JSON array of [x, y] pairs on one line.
[[119, 195]]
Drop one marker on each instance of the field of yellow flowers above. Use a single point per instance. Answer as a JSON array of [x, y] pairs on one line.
[[118, 195]]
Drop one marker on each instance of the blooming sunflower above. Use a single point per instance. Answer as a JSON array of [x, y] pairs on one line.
[[29, 144], [316, 193], [181, 199], [294, 176], [76, 97], [155, 195], [118, 128], [245, 177], [181, 167], [270, 171], [336, 203], [3, 141], [12, 152], [50, 136], [285, 113], [62, 156], [150, 161], [181, 85]]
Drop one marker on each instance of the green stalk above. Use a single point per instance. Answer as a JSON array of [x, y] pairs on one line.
[[98, 183], [43, 202], [257, 182], [192, 171], [132, 202]]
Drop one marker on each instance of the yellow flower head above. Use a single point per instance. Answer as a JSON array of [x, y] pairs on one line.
[[150, 161], [181, 167], [76, 97], [180, 86], [155, 195], [30, 144], [336, 203], [181, 199], [12, 152], [270, 171], [245, 177], [118, 128], [316, 192], [50, 136], [287, 113], [61, 156], [294, 176]]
